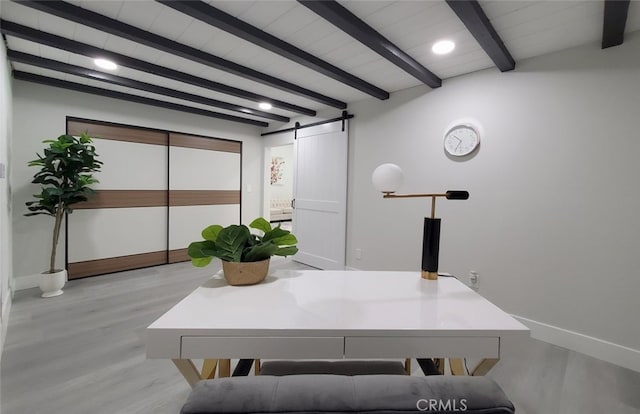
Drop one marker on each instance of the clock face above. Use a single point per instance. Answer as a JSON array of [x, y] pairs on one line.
[[461, 140]]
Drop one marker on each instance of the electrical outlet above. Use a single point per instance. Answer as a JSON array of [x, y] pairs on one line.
[[358, 254], [474, 280]]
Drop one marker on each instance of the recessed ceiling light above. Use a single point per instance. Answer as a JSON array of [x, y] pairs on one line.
[[442, 47], [105, 64], [265, 105]]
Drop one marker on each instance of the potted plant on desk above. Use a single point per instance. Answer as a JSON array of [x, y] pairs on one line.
[[65, 175], [245, 256]]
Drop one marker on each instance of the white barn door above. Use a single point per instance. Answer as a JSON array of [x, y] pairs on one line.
[[320, 195]]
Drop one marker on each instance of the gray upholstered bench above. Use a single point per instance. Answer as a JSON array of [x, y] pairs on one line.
[[368, 394]]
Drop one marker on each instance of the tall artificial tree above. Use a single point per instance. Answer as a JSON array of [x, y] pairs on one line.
[[66, 174]]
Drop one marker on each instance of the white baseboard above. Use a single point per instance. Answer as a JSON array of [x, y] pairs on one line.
[[6, 305], [4, 323], [26, 282], [351, 268], [607, 351]]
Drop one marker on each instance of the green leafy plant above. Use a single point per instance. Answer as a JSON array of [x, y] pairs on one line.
[[65, 175], [236, 243]]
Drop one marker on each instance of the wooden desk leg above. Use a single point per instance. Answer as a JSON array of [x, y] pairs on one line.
[[407, 366], [456, 366], [188, 370], [484, 366], [224, 368], [209, 368], [439, 362], [256, 364]]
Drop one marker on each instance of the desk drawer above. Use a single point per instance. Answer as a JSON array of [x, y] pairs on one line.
[[261, 347], [418, 347]]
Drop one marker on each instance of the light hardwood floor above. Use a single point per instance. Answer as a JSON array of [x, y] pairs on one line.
[[83, 353]]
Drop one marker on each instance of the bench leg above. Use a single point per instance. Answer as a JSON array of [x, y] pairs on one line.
[[243, 368], [429, 366]]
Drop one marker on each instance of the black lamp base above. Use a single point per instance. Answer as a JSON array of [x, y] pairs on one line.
[[430, 248]]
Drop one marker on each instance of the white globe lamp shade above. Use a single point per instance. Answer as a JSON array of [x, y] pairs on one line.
[[387, 178]]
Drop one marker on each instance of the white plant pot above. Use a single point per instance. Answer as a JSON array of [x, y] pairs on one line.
[[51, 284]]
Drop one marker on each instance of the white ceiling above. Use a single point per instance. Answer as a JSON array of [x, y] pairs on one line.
[[528, 28]]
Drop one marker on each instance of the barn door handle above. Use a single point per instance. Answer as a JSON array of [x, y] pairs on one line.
[[293, 203]]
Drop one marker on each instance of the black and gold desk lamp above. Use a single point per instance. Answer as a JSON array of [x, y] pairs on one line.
[[387, 178]]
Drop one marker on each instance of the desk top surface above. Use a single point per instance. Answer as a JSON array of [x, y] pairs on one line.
[[310, 302]]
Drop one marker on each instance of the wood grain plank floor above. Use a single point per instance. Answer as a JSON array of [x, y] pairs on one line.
[[84, 352]]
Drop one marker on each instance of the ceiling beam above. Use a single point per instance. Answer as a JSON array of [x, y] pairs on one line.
[[351, 24], [57, 66], [615, 20], [115, 27], [477, 22], [33, 35], [224, 21], [44, 80]]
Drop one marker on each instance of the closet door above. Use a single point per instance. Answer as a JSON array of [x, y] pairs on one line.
[[204, 188], [125, 225]]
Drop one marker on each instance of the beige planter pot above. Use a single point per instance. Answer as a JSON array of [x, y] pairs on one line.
[[245, 273], [51, 284]]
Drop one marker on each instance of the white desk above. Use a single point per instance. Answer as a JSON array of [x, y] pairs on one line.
[[333, 314]]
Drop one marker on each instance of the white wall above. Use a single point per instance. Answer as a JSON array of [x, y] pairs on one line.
[[552, 224], [39, 113], [5, 194]]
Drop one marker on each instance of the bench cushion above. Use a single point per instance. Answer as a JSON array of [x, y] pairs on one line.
[[369, 394], [332, 367]]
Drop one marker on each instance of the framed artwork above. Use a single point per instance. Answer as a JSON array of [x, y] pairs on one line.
[[277, 168]]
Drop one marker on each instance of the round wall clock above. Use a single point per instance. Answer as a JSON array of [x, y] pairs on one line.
[[461, 139]]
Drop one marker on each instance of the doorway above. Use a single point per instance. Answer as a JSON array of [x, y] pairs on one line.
[[280, 189]]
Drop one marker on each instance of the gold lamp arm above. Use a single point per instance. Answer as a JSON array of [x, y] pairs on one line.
[[450, 195]]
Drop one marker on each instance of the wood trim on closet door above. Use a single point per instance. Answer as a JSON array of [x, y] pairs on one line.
[[115, 264], [179, 255], [125, 199], [212, 144], [203, 197], [118, 133]]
